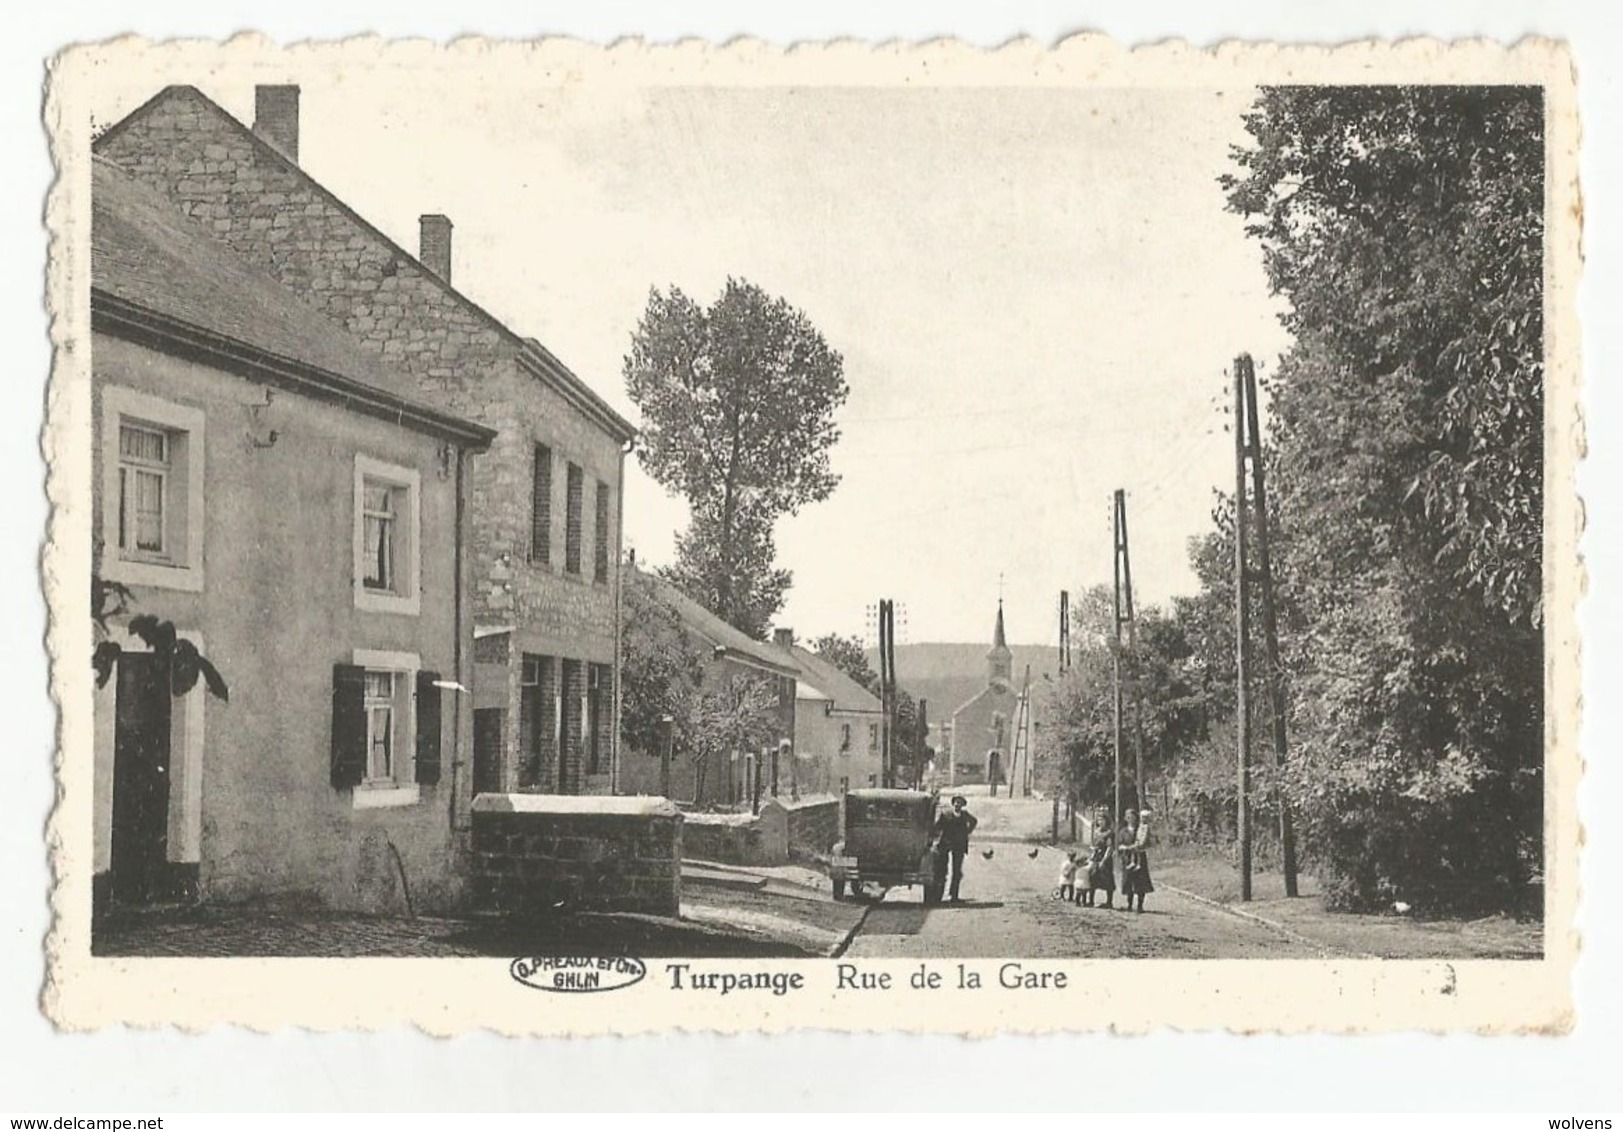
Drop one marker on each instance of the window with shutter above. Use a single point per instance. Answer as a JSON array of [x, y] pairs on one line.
[[574, 494], [541, 506], [428, 728], [349, 726], [600, 535]]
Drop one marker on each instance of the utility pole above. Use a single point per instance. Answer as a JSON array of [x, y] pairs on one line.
[[1242, 635], [1124, 616], [1064, 630], [922, 746], [887, 688], [1246, 374]]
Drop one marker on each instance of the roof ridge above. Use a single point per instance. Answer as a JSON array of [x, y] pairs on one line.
[[564, 374]]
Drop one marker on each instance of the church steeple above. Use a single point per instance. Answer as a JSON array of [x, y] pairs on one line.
[[999, 661]]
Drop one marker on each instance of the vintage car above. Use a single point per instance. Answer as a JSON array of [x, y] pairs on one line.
[[888, 842]]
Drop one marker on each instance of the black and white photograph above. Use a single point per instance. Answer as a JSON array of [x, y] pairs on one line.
[[610, 521]]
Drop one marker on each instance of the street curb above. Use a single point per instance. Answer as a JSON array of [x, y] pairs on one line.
[[1273, 925], [839, 949]]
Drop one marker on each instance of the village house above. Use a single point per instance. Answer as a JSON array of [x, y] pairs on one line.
[[260, 483], [730, 778], [837, 725], [544, 512]]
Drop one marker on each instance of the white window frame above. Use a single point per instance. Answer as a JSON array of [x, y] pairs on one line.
[[182, 566], [408, 557], [401, 789]]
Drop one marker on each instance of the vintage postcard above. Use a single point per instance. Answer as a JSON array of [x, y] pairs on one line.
[[571, 540]]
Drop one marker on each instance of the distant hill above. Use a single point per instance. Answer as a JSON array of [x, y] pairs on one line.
[[948, 675]]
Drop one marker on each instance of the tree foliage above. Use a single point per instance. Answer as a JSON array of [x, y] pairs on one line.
[[1405, 227], [665, 673], [848, 655], [738, 403], [178, 656]]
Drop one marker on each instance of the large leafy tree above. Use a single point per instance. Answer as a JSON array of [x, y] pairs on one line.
[[738, 403], [1405, 227], [848, 655]]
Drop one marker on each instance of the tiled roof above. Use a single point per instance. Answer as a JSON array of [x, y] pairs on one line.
[[846, 693], [736, 644], [149, 255]]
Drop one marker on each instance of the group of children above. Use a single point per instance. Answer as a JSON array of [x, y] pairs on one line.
[[1085, 873]]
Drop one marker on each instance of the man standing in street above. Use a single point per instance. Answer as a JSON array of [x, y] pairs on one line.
[[952, 830]]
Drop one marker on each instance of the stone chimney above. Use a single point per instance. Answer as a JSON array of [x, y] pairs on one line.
[[434, 244], [783, 638], [276, 118]]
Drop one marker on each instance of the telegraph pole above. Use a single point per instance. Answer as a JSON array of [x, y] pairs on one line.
[[1270, 621], [1242, 634], [887, 688], [1064, 630], [1124, 616]]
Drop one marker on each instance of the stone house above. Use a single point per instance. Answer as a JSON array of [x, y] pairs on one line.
[[728, 654], [837, 725], [259, 482], [545, 504], [982, 729]]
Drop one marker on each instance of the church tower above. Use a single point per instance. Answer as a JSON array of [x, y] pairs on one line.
[[999, 660]]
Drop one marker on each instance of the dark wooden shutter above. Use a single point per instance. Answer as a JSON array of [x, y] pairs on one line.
[[541, 506], [348, 725], [428, 728]]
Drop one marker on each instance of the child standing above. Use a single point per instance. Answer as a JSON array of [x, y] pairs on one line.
[[1067, 876]]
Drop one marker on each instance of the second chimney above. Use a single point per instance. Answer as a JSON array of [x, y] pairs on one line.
[[434, 244], [276, 118], [783, 638]]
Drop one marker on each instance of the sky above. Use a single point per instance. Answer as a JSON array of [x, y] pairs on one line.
[[1037, 294]]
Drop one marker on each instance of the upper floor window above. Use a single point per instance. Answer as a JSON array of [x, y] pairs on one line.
[[600, 536], [152, 491], [572, 531], [388, 551], [541, 506]]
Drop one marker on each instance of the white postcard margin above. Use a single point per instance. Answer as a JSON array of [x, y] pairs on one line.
[[450, 996]]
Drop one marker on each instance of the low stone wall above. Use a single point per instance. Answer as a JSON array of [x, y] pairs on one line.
[[807, 827], [541, 854], [733, 839]]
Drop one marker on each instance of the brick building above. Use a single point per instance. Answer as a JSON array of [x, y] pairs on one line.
[[545, 503], [257, 484]]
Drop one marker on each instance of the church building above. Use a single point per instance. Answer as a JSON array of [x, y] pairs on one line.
[[983, 728]]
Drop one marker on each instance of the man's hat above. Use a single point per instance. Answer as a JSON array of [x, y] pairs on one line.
[[959, 799]]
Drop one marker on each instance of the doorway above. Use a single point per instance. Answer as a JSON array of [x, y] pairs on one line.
[[141, 774]]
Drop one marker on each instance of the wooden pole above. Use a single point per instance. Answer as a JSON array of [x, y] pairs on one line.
[[1242, 645], [1115, 657], [1270, 629]]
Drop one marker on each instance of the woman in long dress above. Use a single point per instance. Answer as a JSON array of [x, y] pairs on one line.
[[1133, 844], [1101, 864]]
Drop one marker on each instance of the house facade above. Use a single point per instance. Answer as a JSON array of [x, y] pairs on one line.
[[837, 726], [981, 736], [259, 486], [732, 778], [545, 503]]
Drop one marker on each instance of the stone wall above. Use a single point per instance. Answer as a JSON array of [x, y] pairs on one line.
[[807, 827], [733, 839], [542, 854]]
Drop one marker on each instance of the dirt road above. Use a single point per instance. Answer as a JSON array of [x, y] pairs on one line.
[[1009, 910]]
